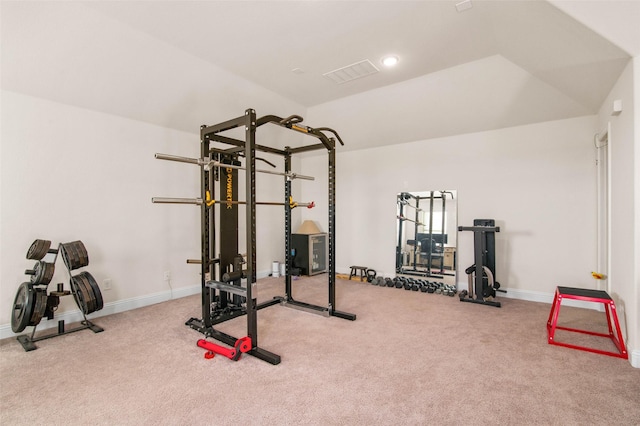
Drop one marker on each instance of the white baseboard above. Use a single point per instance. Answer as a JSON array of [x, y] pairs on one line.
[[109, 308], [537, 296], [113, 308], [151, 299]]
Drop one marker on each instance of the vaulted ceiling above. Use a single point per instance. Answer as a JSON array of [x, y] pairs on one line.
[[526, 61], [265, 41]]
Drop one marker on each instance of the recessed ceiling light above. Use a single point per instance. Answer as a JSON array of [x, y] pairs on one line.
[[389, 61]]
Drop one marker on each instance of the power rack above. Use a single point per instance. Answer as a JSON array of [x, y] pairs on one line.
[[223, 296]]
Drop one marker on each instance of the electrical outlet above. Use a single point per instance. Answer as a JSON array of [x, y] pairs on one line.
[[167, 275], [106, 284]]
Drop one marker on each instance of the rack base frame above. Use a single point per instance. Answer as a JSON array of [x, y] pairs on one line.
[[264, 355], [28, 342]]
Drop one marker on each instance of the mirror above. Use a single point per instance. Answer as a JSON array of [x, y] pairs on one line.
[[427, 235]]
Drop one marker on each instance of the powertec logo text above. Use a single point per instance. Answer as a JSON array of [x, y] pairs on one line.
[[229, 188]]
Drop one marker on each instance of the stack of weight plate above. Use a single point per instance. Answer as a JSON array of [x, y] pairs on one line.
[[84, 287], [30, 303]]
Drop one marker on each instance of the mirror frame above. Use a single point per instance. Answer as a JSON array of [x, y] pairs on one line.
[[411, 207]]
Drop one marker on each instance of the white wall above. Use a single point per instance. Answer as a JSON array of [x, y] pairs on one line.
[[536, 181], [623, 147], [87, 173], [73, 174], [623, 256]]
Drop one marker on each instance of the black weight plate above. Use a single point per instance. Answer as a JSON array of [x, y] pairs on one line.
[[40, 271], [50, 269], [89, 299], [68, 249], [43, 273], [71, 255], [66, 256], [38, 249], [39, 308], [96, 290], [93, 300], [22, 307], [75, 257], [85, 255], [82, 253], [78, 290], [77, 261], [36, 275]]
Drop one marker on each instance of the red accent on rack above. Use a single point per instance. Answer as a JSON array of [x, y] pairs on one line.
[[241, 346]]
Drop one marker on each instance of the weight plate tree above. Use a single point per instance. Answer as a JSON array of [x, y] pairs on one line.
[[32, 303]]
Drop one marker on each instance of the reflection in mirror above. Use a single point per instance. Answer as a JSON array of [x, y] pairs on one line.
[[427, 235]]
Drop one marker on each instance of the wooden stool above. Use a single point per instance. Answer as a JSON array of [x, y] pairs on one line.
[[363, 272], [586, 295]]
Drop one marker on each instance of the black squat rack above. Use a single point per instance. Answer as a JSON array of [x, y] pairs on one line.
[[32, 302], [223, 295]]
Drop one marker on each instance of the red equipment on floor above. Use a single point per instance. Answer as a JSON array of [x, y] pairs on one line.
[[241, 346], [586, 295]]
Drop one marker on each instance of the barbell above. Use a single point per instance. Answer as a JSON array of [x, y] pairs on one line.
[[208, 164], [209, 202]]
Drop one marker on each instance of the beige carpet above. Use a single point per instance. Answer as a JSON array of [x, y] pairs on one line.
[[409, 358]]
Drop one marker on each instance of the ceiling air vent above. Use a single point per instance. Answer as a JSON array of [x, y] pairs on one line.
[[352, 72]]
